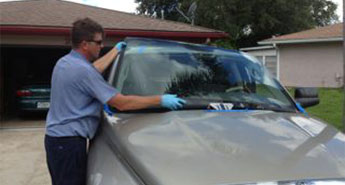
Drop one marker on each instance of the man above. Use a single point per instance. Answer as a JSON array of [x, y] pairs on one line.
[[77, 94]]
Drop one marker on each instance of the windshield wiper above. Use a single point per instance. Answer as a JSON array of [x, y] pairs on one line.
[[204, 104], [200, 103], [259, 106], [195, 104]]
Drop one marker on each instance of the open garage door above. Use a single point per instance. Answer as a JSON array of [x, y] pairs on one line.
[[24, 66], [1, 88]]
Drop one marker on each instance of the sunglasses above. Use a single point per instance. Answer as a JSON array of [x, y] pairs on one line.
[[98, 42]]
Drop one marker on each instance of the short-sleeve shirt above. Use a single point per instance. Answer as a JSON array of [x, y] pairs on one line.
[[77, 93]]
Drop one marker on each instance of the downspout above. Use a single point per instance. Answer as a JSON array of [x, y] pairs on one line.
[[278, 60], [344, 66]]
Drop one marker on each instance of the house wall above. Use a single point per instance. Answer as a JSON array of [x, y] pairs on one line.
[[37, 40], [43, 40], [311, 65]]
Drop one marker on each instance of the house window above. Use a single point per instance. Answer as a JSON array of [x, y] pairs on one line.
[[270, 62], [260, 58]]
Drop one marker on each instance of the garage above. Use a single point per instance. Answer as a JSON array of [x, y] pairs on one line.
[[35, 34], [25, 66], [28, 60]]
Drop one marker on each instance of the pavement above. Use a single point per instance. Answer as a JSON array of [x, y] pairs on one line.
[[22, 154]]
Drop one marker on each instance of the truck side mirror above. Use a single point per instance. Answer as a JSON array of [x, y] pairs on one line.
[[307, 96]]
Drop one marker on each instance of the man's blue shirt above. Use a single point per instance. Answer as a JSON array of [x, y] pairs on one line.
[[77, 93]]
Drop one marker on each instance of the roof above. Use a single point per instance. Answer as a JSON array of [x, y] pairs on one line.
[[59, 15], [321, 34]]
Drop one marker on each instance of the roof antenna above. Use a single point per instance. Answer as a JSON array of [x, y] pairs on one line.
[[154, 15], [162, 13], [190, 14]]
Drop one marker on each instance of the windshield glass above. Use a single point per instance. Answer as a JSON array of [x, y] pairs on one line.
[[196, 73]]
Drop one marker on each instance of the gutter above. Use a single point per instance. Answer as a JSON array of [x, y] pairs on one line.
[[278, 60], [65, 31], [257, 48], [298, 41]]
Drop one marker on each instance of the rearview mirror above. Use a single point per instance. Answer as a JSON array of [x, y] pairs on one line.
[[307, 96]]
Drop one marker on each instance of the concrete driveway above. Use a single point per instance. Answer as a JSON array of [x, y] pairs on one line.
[[22, 155]]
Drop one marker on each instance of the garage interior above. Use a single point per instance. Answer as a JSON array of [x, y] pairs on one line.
[[25, 65]]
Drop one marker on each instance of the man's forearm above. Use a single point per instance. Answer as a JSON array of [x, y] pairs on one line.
[[103, 63], [129, 102]]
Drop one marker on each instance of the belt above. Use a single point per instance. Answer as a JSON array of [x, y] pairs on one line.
[[64, 137]]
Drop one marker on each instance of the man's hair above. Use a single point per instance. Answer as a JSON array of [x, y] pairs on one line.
[[84, 29]]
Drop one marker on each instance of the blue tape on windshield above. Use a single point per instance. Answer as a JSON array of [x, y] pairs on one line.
[[245, 110], [301, 109], [141, 49]]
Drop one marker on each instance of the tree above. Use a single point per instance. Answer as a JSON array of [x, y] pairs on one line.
[[248, 21], [155, 7], [323, 12]]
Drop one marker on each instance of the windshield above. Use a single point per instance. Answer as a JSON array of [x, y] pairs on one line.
[[196, 73]]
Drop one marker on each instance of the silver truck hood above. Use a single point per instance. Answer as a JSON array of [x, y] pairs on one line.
[[211, 148]]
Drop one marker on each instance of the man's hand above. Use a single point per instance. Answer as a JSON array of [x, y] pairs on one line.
[[171, 101], [120, 46], [102, 63]]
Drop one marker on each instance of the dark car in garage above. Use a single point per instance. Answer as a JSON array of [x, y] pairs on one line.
[[33, 98], [239, 125]]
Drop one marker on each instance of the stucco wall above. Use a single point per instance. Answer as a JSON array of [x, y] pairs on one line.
[[35, 40], [311, 65], [42, 40]]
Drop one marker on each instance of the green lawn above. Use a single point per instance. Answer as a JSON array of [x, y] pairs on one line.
[[330, 107]]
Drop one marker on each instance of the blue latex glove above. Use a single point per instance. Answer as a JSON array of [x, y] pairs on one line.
[[107, 109], [171, 101], [120, 46]]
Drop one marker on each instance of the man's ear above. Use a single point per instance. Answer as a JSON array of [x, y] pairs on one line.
[[84, 45]]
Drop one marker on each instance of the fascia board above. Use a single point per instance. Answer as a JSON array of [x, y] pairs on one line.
[[299, 41]]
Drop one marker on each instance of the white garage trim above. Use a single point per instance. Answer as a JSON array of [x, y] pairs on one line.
[[295, 41]]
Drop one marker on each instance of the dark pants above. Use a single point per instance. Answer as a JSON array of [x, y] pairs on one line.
[[66, 159]]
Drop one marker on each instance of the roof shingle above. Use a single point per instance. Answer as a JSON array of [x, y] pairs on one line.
[[327, 32]]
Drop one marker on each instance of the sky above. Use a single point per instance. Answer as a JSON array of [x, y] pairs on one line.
[[120, 5], [130, 6], [340, 10]]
